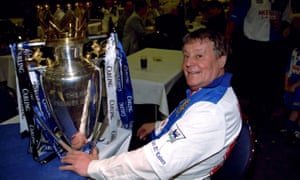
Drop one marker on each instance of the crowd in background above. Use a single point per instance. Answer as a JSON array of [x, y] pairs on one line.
[[258, 62]]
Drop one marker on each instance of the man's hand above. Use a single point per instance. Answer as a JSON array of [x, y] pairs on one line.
[[78, 141], [78, 161], [145, 129]]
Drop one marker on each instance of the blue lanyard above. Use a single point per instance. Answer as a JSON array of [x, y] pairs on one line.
[[124, 87]]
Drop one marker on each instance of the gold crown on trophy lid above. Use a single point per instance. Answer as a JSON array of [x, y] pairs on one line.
[[71, 23]]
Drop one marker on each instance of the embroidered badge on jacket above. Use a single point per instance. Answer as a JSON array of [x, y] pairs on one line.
[[175, 134], [182, 106]]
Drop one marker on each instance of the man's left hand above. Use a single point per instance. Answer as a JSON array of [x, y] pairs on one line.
[[78, 161]]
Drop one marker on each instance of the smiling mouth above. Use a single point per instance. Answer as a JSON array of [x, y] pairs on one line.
[[193, 72]]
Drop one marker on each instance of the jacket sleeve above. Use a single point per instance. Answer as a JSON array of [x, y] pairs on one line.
[[129, 165]]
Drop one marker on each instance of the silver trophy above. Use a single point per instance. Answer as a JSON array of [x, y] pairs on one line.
[[71, 83]]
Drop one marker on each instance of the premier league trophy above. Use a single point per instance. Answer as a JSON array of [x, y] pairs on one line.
[[60, 85], [71, 83]]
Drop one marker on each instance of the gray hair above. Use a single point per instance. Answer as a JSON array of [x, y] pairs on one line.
[[220, 45]]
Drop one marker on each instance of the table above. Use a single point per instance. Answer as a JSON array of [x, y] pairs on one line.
[[16, 163], [151, 86], [101, 26], [7, 71]]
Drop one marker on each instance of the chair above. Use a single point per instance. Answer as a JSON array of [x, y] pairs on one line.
[[237, 163]]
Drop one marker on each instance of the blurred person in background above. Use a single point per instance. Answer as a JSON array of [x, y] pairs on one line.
[[193, 9], [153, 12], [214, 15], [134, 29], [292, 94], [128, 9], [260, 56]]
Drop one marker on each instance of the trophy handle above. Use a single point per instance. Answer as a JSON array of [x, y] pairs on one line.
[[98, 127]]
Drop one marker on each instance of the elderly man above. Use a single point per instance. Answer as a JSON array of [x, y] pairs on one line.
[[195, 137]]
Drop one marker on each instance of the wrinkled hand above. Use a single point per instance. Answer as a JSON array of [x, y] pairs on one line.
[[78, 141], [78, 161], [145, 129]]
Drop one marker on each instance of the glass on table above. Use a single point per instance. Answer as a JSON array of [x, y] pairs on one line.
[[143, 62]]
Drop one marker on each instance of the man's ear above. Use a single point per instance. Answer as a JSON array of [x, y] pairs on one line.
[[222, 61]]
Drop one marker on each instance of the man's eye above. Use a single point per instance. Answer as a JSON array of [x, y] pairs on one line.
[[185, 56], [198, 56]]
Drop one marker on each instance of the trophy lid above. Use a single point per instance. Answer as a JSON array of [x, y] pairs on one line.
[[62, 26]]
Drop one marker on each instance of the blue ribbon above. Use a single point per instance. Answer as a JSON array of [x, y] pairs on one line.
[[29, 103], [47, 117], [124, 87]]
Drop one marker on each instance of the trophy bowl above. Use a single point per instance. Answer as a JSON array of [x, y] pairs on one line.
[[71, 83], [72, 87]]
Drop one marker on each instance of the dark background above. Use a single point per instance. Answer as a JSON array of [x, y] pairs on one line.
[[20, 8], [17, 8], [26, 11]]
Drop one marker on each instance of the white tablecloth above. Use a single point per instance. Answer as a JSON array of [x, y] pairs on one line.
[[117, 146], [7, 71], [100, 26], [152, 85], [97, 28]]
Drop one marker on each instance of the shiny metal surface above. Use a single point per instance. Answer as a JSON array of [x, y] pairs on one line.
[[71, 83], [73, 89]]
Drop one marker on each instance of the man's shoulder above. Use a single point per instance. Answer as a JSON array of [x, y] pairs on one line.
[[133, 18]]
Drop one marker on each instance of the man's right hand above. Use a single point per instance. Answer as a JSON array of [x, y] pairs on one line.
[[144, 130]]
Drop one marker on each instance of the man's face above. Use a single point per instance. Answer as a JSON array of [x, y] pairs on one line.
[[200, 65]]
